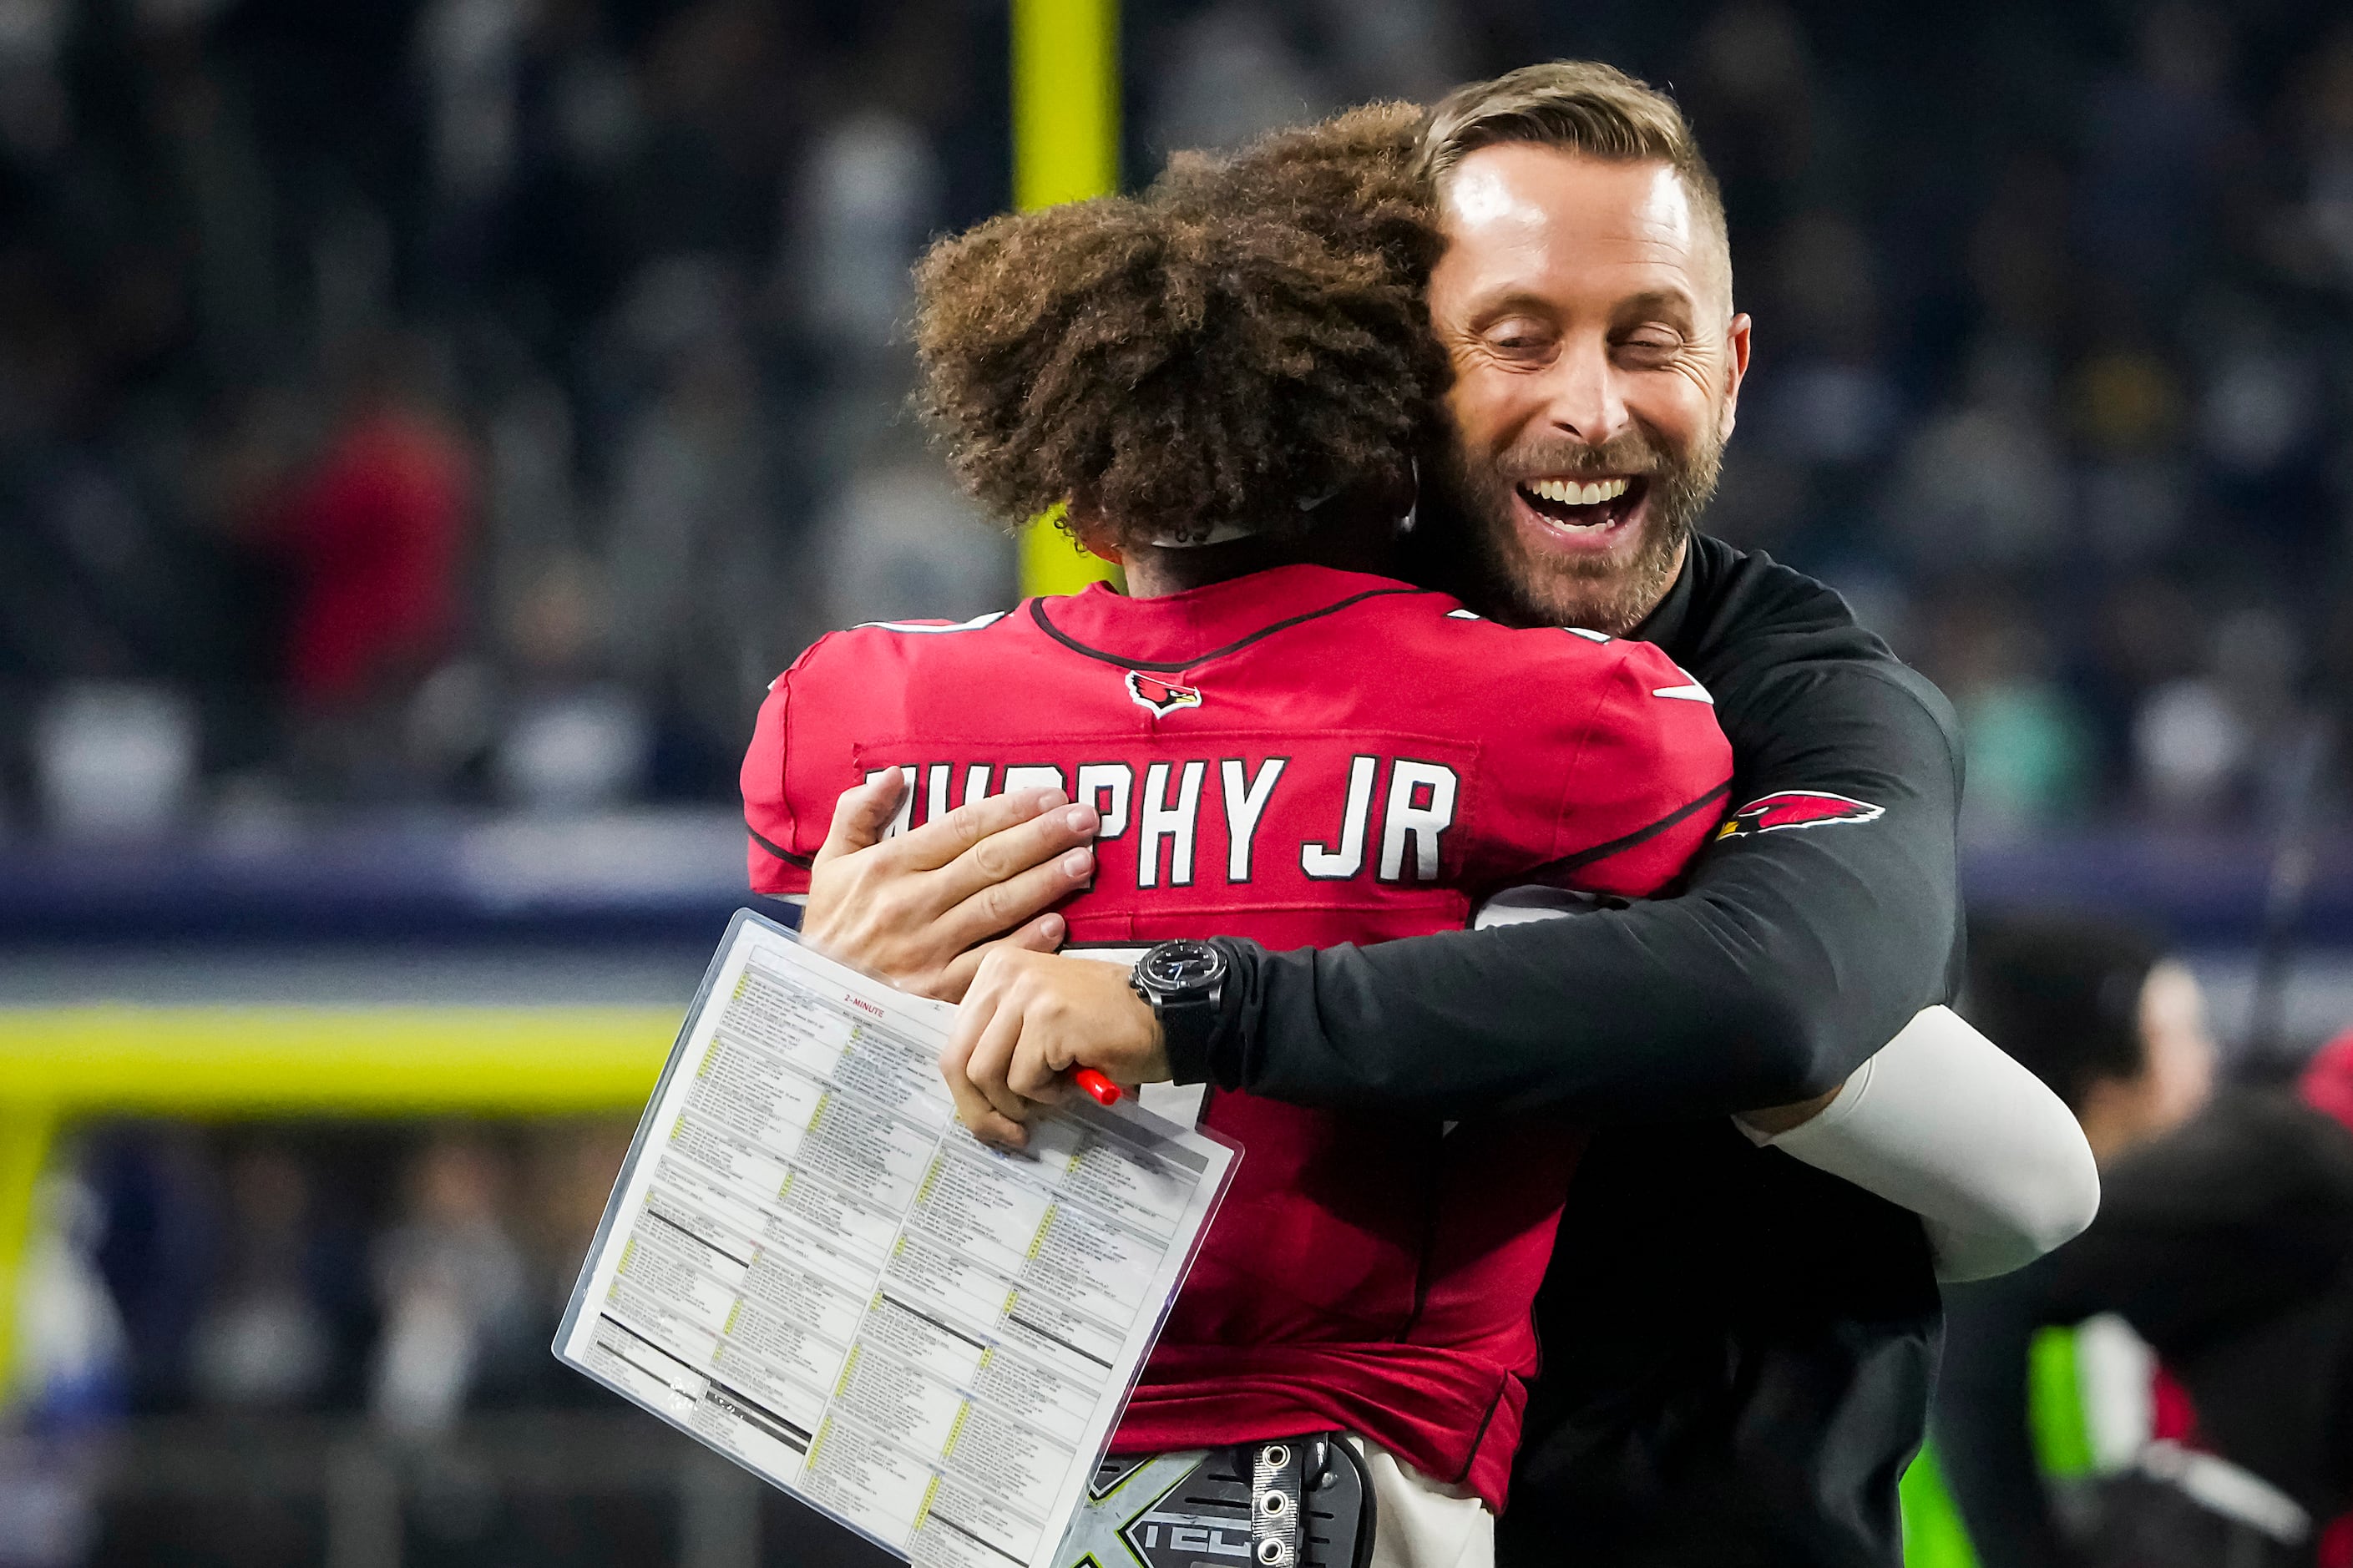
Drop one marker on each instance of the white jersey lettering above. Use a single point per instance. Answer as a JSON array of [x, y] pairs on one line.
[[1034, 778], [906, 812], [1328, 865], [1156, 819], [1420, 808], [1106, 786], [1245, 804]]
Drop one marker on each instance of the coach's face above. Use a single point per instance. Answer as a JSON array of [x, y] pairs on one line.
[[1587, 309]]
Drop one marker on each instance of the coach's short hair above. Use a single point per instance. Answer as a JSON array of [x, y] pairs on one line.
[[1578, 106]]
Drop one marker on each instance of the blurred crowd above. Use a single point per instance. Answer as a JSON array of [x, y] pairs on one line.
[[397, 1277], [411, 1273], [479, 400]]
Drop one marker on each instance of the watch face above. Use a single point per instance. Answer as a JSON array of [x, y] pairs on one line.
[[1176, 966]]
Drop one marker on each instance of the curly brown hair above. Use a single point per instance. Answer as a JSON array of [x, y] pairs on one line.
[[1247, 338]]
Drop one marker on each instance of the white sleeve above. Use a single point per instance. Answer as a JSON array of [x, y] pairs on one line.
[[1942, 1122]]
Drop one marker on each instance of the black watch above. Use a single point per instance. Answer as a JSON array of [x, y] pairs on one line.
[[1185, 982]]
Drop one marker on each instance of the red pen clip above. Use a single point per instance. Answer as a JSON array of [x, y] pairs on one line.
[[1106, 1092]]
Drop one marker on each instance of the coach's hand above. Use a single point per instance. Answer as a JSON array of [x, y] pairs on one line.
[[1031, 1019], [922, 910]]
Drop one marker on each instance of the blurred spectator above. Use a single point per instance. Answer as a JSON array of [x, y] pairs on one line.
[[68, 1383], [2157, 146], [692, 542], [2100, 1012], [265, 1341], [372, 536], [903, 542], [2325, 110], [2190, 747], [159, 1252], [2027, 765], [114, 759], [1390, 49], [1752, 98], [373, 532], [1984, 482], [451, 1285], [574, 738], [2208, 743], [34, 121], [70, 1352], [1834, 404], [1232, 72], [870, 198], [2224, 1255], [2128, 408], [568, 1173]]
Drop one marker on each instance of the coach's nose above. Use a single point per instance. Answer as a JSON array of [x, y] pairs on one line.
[[1584, 393]]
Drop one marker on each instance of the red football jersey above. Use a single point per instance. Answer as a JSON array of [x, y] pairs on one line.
[[1301, 756]]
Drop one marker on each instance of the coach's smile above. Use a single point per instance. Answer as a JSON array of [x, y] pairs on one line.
[[1579, 515]]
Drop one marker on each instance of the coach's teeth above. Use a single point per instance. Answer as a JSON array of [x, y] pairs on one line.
[[1565, 493]]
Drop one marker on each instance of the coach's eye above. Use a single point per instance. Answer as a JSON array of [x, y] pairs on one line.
[[1650, 348], [1520, 335]]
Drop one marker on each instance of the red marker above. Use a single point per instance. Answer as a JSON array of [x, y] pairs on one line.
[[1106, 1092]]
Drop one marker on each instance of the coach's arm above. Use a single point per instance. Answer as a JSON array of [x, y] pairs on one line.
[[1794, 954]]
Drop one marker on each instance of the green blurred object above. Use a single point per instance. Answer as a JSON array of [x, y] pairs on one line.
[[1933, 1534], [2027, 756], [2054, 1407]]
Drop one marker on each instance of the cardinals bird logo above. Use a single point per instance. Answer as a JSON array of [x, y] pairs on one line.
[[1796, 808], [1163, 699]]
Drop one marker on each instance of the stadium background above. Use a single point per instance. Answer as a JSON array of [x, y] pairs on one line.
[[426, 425]]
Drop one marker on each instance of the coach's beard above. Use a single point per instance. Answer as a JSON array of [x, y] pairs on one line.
[[1603, 593]]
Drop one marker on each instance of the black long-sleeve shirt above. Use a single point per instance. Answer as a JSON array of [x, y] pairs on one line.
[[1738, 1347]]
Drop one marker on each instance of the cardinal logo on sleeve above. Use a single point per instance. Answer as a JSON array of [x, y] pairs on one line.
[[1796, 808]]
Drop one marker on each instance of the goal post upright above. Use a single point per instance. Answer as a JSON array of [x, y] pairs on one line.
[[1065, 70]]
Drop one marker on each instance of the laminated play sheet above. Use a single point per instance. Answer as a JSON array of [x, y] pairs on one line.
[[810, 1266]]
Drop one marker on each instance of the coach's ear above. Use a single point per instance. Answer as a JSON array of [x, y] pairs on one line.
[[1094, 535]]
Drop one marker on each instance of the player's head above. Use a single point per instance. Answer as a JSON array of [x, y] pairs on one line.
[[1241, 351], [2098, 1012], [1585, 298]]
